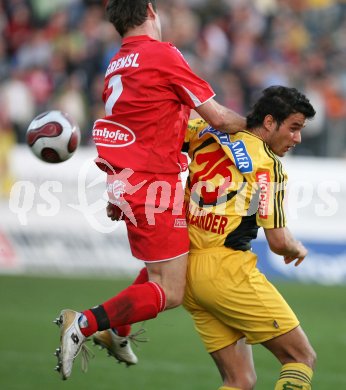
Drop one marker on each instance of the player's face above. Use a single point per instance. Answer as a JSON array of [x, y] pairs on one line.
[[288, 135]]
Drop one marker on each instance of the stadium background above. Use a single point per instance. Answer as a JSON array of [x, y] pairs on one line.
[[53, 54]]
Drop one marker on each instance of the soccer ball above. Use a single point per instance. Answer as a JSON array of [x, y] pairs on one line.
[[53, 136]]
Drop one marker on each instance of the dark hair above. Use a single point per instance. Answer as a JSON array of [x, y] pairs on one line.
[[125, 14], [280, 102]]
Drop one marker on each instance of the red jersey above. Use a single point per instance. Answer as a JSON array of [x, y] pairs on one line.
[[148, 94]]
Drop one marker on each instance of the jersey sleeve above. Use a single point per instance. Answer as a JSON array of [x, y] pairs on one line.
[[190, 88], [270, 183], [193, 128]]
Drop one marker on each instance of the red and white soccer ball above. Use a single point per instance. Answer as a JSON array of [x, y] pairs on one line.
[[53, 136]]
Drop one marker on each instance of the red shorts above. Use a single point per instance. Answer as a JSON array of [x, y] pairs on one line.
[[152, 206]]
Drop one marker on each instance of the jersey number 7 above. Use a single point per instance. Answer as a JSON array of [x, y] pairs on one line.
[[116, 85]]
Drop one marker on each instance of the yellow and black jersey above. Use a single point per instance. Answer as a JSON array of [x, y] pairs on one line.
[[236, 185]]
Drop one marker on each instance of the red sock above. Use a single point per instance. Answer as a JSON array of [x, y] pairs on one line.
[[136, 303], [142, 277], [123, 330]]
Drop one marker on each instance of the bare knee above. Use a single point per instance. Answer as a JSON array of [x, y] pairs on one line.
[[174, 298], [236, 366], [293, 347], [171, 276], [246, 381], [251, 380], [304, 354], [309, 357]]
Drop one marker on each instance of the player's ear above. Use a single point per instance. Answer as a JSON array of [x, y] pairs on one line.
[[269, 123], [150, 11]]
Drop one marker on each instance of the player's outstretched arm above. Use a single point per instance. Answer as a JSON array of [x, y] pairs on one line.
[[282, 243], [220, 117]]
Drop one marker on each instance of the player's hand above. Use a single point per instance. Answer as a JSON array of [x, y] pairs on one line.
[[300, 256], [114, 212]]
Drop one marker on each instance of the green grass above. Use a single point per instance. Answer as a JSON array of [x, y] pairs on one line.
[[173, 359]]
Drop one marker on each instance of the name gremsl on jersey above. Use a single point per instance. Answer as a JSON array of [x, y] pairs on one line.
[[123, 62]]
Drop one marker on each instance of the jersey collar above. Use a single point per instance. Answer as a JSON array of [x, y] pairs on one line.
[[137, 38], [252, 134]]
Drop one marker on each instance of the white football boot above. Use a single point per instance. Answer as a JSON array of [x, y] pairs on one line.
[[71, 343], [117, 346]]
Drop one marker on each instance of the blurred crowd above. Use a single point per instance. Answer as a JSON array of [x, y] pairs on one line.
[[53, 55]]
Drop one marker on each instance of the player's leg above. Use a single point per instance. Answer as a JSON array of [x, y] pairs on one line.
[[171, 277], [297, 357], [138, 302], [117, 341], [204, 294], [234, 361], [235, 364], [273, 324], [168, 275], [142, 277], [249, 303]]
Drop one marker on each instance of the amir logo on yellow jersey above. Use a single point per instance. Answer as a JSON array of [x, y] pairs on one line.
[[241, 157]]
